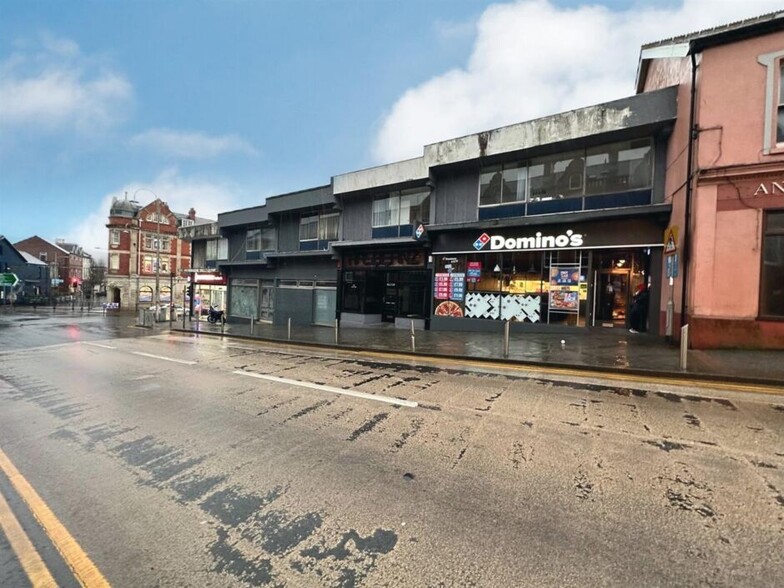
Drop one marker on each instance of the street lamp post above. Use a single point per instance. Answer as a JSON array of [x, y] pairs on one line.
[[158, 259]]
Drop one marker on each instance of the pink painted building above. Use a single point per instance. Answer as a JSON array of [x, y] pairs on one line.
[[725, 180]]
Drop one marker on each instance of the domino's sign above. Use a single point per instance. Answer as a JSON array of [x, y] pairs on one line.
[[538, 241]]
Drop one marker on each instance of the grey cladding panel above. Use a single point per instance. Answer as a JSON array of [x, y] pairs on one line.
[[357, 219], [288, 233], [456, 198]]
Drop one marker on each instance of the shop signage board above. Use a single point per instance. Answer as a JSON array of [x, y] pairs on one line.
[[567, 239], [671, 240], [449, 286], [672, 266], [9, 279], [474, 271]]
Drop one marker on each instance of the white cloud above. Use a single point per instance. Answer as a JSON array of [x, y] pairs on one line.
[[190, 145], [53, 87], [181, 193], [531, 58]]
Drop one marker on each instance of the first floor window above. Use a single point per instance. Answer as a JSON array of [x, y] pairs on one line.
[[253, 240], [114, 261], [402, 208], [780, 110], [308, 228], [772, 278], [150, 264], [328, 227], [217, 249], [115, 237]]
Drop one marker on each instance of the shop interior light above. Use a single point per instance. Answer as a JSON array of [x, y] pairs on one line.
[[497, 268]]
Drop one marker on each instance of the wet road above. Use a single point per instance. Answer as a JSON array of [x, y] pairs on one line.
[[176, 460]]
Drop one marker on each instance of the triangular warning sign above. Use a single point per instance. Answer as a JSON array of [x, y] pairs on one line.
[[670, 246]]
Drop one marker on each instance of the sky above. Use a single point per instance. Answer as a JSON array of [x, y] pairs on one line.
[[218, 104]]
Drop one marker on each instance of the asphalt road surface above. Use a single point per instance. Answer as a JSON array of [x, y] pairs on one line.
[[175, 460]]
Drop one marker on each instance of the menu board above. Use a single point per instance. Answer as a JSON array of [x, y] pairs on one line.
[[449, 286], [564, 288]]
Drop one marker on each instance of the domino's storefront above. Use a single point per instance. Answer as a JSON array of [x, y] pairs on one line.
[[547, 277]]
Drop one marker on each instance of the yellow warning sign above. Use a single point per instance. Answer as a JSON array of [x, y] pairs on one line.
[[671, 240]]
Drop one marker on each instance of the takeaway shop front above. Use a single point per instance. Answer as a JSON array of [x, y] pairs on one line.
[[546, 276]]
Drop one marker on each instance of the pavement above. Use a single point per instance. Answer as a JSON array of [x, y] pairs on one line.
[[611, 350], [614, 350]]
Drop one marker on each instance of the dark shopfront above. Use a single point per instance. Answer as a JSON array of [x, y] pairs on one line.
[[390, 285], [546, 277]]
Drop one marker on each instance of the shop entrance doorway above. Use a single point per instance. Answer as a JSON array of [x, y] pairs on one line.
[[618, 275]]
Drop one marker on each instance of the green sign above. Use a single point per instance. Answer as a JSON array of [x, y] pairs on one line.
[[8, 279]]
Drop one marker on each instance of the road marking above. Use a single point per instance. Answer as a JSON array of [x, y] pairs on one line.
[[31, 562], [83, 568], [352, 393], [185, 361], [40, 348], [98, 345]]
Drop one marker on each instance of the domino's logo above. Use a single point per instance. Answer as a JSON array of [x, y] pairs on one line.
[[481, 241]]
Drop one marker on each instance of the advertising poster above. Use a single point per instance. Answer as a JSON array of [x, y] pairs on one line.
[[565, 275], [564, 301], [474, 271]]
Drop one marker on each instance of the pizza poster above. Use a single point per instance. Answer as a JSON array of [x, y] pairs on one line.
[[564, 300]]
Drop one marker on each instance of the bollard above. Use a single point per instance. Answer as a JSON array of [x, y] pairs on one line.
[[183, 318], [223, 325], [506, 340], [336, 332], [251, 326], [684, 346], [289, 328], [413, 338]]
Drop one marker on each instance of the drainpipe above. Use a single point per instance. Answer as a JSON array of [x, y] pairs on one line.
[[689, 188]]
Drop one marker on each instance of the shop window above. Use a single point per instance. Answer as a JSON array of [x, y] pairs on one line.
[[253, 240], [308, 228], [780, 106], [618, 167], [395, 215], [524, 286], [557, 176], [217, 249], [772, 275], [243, 298], [503, 184], [316, 232], [258, 240], [145, 294]]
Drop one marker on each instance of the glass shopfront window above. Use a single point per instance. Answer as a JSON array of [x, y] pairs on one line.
[[525, 286], [243, 296]]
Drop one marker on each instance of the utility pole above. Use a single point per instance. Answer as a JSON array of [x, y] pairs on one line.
[[158, 260]]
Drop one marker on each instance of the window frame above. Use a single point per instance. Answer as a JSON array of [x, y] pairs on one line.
[[773, 62], [768, 231], [253, 234], [309, 221], [115, 237]]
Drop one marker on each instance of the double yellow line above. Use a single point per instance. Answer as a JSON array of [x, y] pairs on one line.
[[82, 567]]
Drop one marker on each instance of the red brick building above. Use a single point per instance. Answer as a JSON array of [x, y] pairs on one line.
[[147, 261], [66, 265]]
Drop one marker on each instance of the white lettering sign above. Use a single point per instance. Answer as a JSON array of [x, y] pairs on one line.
[[538, 241]]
